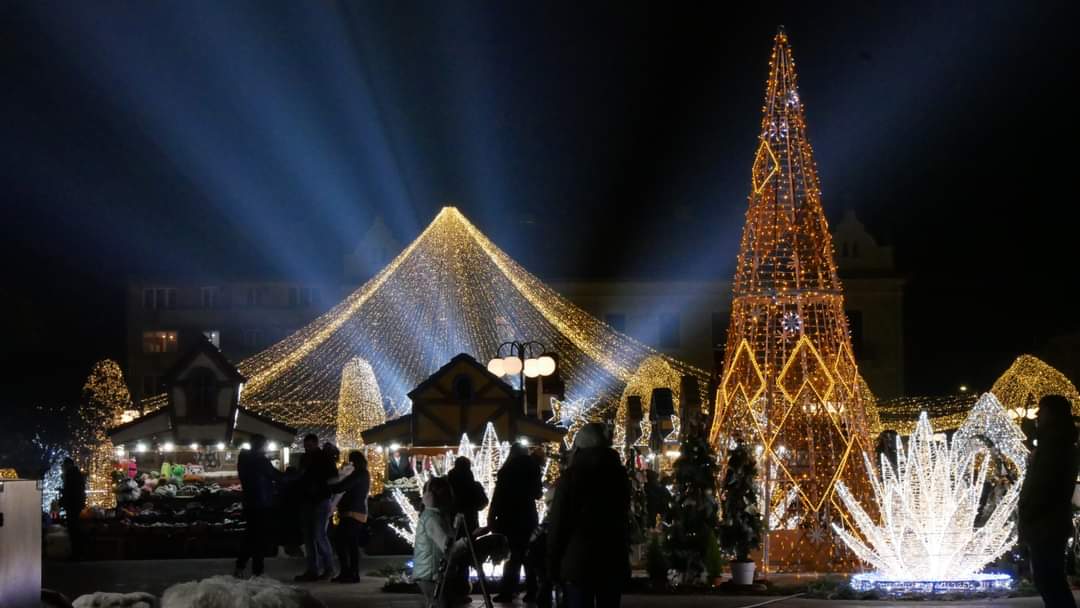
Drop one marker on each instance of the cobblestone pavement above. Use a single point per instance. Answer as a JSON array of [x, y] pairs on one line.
[[74, 579]]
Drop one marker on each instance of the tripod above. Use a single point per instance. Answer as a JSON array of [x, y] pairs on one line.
[[444, 566]]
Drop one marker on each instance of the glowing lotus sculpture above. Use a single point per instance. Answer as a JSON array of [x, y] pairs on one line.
[[926, 538]]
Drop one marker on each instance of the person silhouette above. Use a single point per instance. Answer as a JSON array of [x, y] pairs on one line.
[[1045, 507]]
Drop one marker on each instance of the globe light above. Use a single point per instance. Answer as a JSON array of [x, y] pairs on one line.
[[221, 445], [532, 368], [547, 365], [496, 367], [140, 447], [512, 365], [245, 446], [271, 446], [119, 451], [168, 447], [194, 446]]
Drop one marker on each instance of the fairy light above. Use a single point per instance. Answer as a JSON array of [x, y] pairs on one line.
[[1027, 381], [486, 459], [105, 397], [946, 413], [926, 538], [360, 407], [789, 375], [451, 290]]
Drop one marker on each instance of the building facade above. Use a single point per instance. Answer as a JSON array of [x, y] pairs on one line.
[[686, 319]]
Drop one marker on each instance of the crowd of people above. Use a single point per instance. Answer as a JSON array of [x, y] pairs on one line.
[[312, 493], [582, 545]]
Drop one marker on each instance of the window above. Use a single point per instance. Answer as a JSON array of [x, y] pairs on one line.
[[720, 323], [854, 319], [462, 388], [214, 336], [616, 321], [157, 298], [303, 296], [159, 341], [202, 390], [670, 334], [210, 297]]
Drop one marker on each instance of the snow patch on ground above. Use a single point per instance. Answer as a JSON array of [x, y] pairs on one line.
[[229, 592]]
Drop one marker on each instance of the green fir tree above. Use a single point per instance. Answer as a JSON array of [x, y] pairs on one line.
[[740, 528], [693, 517]]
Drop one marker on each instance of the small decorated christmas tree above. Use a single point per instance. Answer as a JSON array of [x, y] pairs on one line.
[[693, 518], [104, 398], [740, 527]]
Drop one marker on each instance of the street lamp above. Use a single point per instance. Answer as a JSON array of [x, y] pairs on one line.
[[521, 360]]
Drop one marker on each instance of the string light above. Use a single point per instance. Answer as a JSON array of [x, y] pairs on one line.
[[928, 504], [105, 397], [487, 459], [360, 407], [450, 291], [1027, 381], [789, 376]]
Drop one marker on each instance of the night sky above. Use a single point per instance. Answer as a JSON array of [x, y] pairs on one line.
[[597, 140]]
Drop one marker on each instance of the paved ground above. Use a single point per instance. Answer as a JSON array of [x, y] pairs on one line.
[[74, 579]]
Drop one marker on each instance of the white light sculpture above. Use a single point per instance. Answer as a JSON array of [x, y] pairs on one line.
[[927, 540], [486, 459]]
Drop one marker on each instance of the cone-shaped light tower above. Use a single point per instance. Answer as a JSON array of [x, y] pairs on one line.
[[789, 382]]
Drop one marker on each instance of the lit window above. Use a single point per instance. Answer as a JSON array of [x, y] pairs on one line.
[[159, 341], [214, 336]]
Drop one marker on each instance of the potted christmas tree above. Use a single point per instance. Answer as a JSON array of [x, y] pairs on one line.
[[694, 511], [740, 527]]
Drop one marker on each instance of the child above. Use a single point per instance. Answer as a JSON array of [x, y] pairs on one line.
[[433, 533]]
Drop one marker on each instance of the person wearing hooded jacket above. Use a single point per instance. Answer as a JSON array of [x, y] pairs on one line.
[[588, 525]]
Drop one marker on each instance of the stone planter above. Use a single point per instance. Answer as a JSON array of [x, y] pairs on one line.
[[742, 573]]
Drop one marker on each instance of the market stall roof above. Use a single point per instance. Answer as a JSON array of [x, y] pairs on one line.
[[203, 390], [461, 398]]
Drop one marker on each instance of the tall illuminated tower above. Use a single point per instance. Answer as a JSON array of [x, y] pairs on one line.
[[790, 383]]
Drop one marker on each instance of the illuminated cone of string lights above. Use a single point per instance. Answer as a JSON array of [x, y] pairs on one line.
[[451, 291], [360, 408], [789, 381]]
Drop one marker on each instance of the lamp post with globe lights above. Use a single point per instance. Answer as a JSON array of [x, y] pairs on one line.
[[525, 360]]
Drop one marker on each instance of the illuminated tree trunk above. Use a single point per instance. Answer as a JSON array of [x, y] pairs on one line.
[[789, 381]]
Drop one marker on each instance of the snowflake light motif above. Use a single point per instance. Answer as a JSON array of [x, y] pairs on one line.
[[928, 505], [791, 323]]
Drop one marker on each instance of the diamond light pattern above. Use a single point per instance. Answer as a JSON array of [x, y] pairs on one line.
[[790, 382]]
